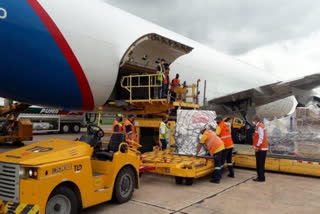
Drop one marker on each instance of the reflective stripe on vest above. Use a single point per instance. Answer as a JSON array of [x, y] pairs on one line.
[[224, 137], [212, 139], [213, 142], [225, 134]]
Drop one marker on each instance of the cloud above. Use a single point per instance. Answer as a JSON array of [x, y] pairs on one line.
[[288, 59], [233, 27]]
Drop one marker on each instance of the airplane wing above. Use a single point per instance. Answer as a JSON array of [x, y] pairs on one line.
[[269, 93]]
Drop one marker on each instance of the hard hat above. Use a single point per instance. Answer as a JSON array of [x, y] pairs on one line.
[[131, 115], [202, 128], [119, 115], [219, 117]]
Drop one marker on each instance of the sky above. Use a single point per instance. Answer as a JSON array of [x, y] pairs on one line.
[[281, 36]]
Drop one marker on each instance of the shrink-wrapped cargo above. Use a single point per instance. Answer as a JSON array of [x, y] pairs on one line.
[[297, 135], [188, 129]]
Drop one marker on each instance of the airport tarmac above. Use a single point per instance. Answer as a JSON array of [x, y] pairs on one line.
[[158, 194]]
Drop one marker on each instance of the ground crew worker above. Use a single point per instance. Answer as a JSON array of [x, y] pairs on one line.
[[215, 147], [260, 144], [129, 129], [164, 133], [160, 77], [223, 131], [117, 126], [166, 81], [13, 125], [174, 84]]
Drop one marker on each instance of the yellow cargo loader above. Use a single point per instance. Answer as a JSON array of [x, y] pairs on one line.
[[12, 129], [278, 163], [61, 176]]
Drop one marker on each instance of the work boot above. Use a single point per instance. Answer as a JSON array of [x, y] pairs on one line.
[[214, 181], [258, 180], [230, 175]]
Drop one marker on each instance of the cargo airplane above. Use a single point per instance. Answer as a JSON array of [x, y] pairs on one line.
[[72, 54]]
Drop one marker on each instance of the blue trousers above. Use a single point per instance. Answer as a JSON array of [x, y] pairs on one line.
[[164, 143], [165, 89], [227, 156], [160, 89], [216, 176]]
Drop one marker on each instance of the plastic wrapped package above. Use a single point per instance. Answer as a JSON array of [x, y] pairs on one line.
[[297, 135], [187, 133]]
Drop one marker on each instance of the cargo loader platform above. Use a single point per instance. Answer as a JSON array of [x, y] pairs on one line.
[[182, 167], [245, 157]]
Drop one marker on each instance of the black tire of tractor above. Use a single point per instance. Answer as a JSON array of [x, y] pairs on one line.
[[189, 181], [17, 144], [68, 193], [122, 192], [179, 180]]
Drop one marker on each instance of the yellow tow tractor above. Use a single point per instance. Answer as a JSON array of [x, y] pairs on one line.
[[61, 176], [240, 130]]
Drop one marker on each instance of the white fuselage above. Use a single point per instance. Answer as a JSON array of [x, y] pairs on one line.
[[99, 35]]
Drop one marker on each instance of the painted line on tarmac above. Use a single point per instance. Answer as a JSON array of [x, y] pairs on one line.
[[153, 205], [212, 196]]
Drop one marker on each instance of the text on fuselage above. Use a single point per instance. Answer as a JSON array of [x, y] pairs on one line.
[[3, 13]]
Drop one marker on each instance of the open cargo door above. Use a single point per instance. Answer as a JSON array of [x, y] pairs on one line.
[[143, 56]]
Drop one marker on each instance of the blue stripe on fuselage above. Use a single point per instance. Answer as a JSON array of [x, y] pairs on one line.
[[33, 68]]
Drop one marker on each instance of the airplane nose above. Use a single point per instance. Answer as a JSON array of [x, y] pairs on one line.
[[37, 65]]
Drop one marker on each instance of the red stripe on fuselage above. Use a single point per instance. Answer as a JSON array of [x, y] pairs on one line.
[[87, 98]]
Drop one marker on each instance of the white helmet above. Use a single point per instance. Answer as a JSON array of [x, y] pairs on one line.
[[202, 128]]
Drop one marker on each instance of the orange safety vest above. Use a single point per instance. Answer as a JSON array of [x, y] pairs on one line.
[[166, 78], [264, 145], [133, 131], [213, 142], [116, 123], [175, 83], [225, 135]]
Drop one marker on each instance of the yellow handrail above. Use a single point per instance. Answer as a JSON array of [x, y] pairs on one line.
[[127, 83]]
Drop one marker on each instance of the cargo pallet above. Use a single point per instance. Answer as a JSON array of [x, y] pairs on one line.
[[182, 167]]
